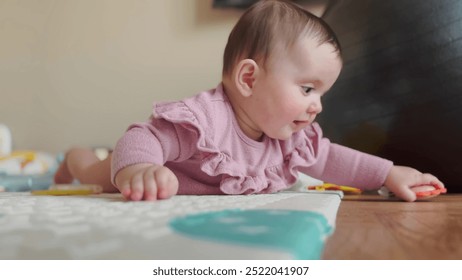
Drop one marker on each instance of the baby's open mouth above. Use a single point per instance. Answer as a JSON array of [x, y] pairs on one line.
[[299, 122]]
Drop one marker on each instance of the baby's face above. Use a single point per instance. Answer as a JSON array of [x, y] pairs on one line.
[[287, 95]]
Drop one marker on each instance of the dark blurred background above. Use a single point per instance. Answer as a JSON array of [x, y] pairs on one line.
[[399, 95]]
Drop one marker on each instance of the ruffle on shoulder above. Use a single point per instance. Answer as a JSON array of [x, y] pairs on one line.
[[178, 113], [301, 151]]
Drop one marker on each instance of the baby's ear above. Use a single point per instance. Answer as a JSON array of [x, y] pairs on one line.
[[245, 75]]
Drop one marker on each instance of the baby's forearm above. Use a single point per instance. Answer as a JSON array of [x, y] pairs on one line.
[[136, 146]]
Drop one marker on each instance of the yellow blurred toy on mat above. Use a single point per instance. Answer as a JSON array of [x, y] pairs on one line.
[[334, 187]]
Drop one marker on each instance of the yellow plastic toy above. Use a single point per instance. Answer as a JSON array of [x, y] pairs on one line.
[[334, 187]]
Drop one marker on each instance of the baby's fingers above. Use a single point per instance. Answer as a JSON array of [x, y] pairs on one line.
[[405, 193], [150, 185], [125, 189], [429, 179], [167, 183], [137, 186]]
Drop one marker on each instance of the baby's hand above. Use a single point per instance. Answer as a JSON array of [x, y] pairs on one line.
[[147, 182], [402, 179]]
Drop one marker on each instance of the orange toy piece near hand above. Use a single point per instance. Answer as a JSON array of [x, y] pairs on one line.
[[422, 192], [428, 191]]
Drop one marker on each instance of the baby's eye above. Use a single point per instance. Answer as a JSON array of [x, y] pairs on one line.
[[307, 90]]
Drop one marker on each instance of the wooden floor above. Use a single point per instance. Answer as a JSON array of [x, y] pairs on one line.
[[372, 227]]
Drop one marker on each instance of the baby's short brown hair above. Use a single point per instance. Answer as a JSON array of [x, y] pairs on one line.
[[268, 23]]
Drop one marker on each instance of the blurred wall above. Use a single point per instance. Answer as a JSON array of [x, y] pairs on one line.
[[78, 72], [399, 95]]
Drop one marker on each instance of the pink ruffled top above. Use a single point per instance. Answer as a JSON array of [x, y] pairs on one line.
[[200, 140]]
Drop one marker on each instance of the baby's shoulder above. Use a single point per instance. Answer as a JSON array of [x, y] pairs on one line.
[[209, 107], [208, 112]]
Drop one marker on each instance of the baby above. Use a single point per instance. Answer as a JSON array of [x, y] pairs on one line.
[[254, 132]]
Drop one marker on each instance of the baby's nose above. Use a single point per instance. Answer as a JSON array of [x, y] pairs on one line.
[[315, 107]]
